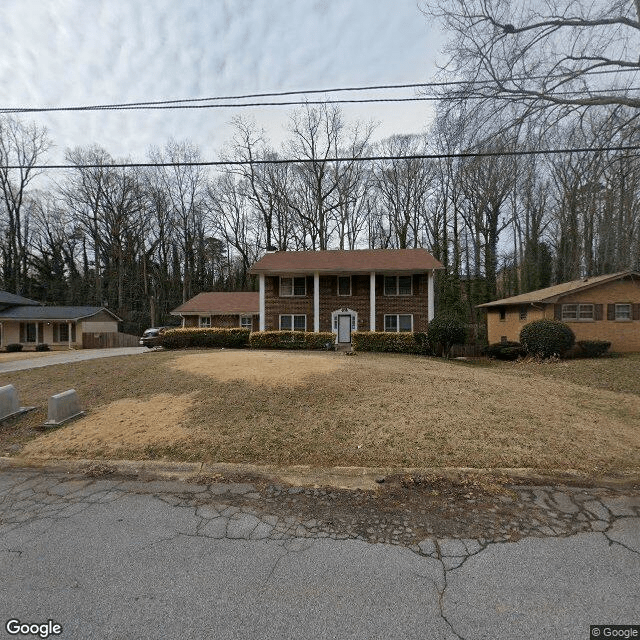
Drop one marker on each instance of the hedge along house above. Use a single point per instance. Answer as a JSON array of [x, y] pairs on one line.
[[343, 291], [32, 324], [599, 308], [220, 309]]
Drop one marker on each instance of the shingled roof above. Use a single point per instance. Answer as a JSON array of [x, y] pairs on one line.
[[340, 261], [551, 294], [25, 312], [221, 303], [11, 299]]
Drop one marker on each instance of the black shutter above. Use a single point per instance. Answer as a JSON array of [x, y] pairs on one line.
[[611, 312], [557, 311], [597, 312], [636, 311]]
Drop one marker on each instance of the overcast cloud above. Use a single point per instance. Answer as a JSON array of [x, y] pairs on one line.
[[77, 52]]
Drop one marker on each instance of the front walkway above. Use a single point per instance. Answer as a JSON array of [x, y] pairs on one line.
[[66, 357]]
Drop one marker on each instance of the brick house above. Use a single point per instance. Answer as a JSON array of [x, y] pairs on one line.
[[343, 291], [600, 308], [221, 309]]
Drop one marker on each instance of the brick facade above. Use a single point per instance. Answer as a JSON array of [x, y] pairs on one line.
[[415, 304], [221, 321], [624, 335]]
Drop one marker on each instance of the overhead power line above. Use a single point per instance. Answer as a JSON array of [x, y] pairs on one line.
[[423, 156], [199, 103]]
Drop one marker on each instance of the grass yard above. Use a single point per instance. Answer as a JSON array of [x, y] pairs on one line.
[[326, 409]]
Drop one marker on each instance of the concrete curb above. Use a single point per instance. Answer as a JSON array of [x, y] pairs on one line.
[[304, 475]]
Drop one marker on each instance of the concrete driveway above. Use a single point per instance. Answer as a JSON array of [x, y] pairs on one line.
[[65, 357], [117, 558]]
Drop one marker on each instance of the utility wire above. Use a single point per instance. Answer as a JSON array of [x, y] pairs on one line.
[[426, 156], [189, 103]]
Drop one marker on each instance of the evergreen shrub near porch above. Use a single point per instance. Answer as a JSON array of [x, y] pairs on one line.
[[291, 340], [206, 338], [391, 342]]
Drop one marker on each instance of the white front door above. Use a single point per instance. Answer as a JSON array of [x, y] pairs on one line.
[[344, 328]]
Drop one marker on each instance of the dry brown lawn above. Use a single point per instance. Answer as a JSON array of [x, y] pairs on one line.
[[326, 409]]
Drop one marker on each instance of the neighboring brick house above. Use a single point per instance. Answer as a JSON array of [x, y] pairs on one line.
[[30, 323], [599, 308], [220, 309], [344, 291]]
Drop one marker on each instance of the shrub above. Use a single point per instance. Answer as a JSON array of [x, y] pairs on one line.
[[445, 330], [11, 348], [204, 338], [390, 342], [593, 348], [42, 347], [546, 338], [291, 340], [505, 351]]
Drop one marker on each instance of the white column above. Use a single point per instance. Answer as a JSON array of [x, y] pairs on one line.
[[372, 301], [430, 301], [37, 332], [316, 302], [261, 280], [69, 332]]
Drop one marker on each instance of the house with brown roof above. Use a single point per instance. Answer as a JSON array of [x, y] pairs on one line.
[[343, 291], [598, 308], [220, 309]]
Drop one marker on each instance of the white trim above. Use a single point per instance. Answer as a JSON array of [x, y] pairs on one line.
[[316, 301], [397, 277], [431, 303], [343, 312], [293, 287], [261, 280], [372, 301], [203, 325], [397, 317], [344, 295], [577, 305], [246, 317], [293, 316], [622, 304]]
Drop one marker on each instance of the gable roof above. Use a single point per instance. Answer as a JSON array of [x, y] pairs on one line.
[[342, 261], [53, 313], [551, 294], [11, 299], [221, 303]]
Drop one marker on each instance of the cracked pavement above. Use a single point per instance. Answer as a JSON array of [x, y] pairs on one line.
[[114, 557]]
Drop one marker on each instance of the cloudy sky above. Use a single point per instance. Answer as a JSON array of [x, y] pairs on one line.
[[79, 52]]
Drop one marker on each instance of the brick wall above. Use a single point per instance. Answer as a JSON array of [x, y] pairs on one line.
[[330, 301], [222, 322], [623, 335]]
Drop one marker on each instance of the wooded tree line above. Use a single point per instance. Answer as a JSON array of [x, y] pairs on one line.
[[143, 240]]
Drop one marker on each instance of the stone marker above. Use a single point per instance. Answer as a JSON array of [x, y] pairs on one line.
[[63, 407], [9, 403]]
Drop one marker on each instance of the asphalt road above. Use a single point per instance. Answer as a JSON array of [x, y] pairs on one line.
[[65, 357], [115, 559]]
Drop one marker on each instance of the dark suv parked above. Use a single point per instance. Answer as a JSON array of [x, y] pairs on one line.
[[151, 337]]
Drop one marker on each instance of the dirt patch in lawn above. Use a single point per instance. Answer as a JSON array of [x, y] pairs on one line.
[[127, 425], [259, 367]]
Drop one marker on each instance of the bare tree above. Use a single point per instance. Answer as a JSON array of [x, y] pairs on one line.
[[20, 148]]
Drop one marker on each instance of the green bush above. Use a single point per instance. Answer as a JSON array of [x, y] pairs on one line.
[[445, 330], [593, 348], [16, 346], [42, 347], [205, 338], [390, 342], [505, 351], [546, 338], [291, 340]]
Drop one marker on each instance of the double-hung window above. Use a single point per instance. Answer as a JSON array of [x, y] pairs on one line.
[[398, 322], [204, 322], [246, 322], [344, 285], [398, 285], [293, 286], [577, 312], [293, 322], [623, 312]]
